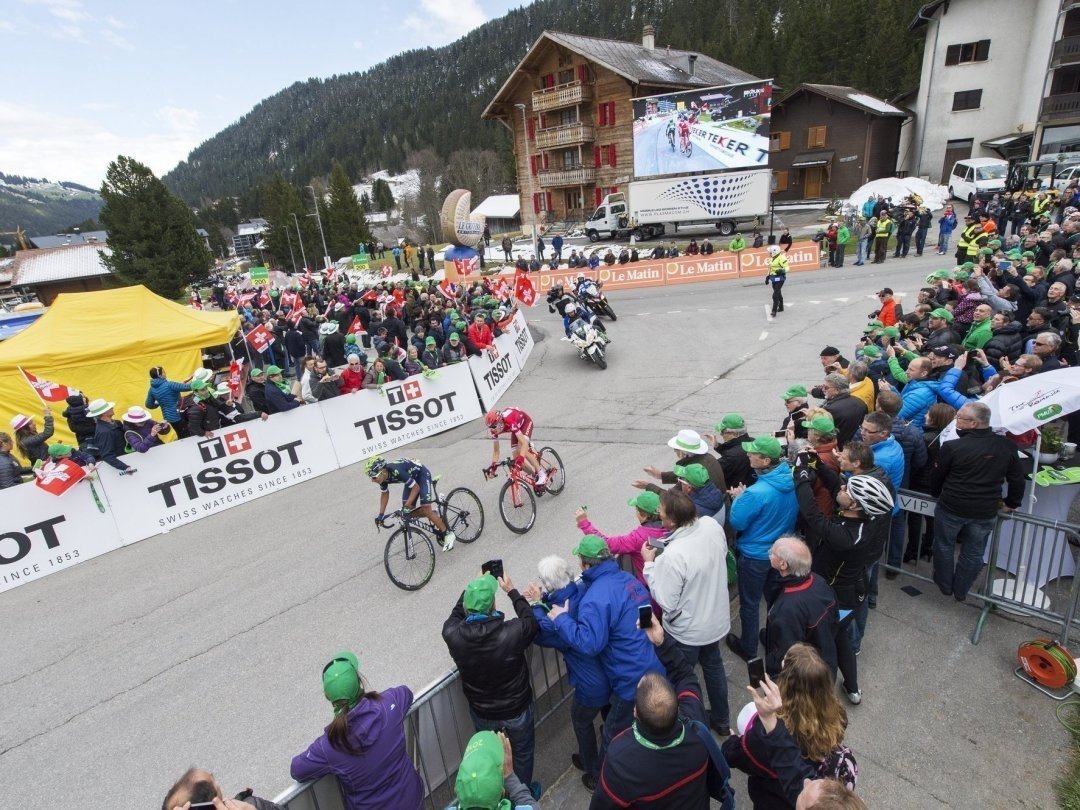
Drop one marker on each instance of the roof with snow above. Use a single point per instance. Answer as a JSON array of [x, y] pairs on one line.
[[657, 66], [852, 97], [252, 227], [500, 206], [59, 264], [61, 239]]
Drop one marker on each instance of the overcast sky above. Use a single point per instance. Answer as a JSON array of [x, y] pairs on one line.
[[87, 80]]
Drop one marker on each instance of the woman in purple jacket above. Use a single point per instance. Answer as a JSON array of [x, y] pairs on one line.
[[364, 746]]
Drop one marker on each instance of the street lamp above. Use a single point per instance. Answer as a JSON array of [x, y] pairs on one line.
[[292, 256], [301, 240], [525, 137], [326, 253]]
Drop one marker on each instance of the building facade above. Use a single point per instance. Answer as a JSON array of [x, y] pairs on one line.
[[985, 70], [827, 140], [568, 105]]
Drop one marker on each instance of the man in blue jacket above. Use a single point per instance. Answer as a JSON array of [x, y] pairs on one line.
[[165, 394], [277, 400], [695, 482], [760, 514], [889, 455], [606, 627]]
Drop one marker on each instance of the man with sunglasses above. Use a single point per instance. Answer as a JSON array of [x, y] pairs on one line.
[[417, 494]]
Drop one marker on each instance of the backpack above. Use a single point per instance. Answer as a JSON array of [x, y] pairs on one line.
[[840, 764]]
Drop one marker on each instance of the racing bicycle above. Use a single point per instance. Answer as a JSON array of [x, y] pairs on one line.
[[686, 146], [517, 498], [409, 556], [671, 138]]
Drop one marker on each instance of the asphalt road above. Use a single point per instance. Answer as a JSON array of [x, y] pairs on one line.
[[205, 645]]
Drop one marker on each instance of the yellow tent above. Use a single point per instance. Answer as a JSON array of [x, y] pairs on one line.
[[104, 344]]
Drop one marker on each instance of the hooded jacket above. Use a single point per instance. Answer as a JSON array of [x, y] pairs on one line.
[[586, 675], [490, 655], [606, 626], [684, 582], [889, 455], [1007, 341], [917, 397], [766, 510], [382, 775], [165, 394], [708, 501], [78, 422]]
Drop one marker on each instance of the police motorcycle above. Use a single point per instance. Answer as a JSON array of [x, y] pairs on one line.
[[558, 300], [589, 293], [590, 342]]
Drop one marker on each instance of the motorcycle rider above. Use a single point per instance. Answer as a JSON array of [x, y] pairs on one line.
[[520, 426], [417, 494]]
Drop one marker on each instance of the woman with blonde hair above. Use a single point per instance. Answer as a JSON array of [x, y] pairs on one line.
[[811, 716]]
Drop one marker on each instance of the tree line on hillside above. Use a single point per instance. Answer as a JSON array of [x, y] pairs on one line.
[[432, 98]]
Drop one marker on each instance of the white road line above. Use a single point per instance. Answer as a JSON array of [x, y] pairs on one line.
[[763, 335], [814, 302], [674, 311], [743, 306], [845, 300], [768, 314]]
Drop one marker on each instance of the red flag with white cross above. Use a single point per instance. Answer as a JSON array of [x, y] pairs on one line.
[[524, 291], [260, 337], [58, 477], [47, 391]]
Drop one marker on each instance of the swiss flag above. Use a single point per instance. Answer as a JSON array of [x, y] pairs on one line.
[[305, 280], [356, 327], [295, 314], [386, 271], [236, 379], [412, 390], [243, 299], [289, 299], [47, 391], [196, 303], [328, 274], [260, 338], [524, 290], [502, 290], [58, 477], [449, 289]]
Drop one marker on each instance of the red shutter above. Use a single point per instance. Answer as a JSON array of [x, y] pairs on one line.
[[611, 154], [596, 156], [599, 196], [613, 190], [611, 114], [602, 115], [581, 73], [545, 160], [530, 125], [549, 80], [550, 207], [532, 164], [543, 122], [536, 203]]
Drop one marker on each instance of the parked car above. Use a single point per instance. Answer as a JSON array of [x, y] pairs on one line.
[[1067, 175], [977, 175]]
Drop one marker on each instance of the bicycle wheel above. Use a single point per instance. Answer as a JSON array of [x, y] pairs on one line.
[[551, 461], [517, 506], [409, 558], [463, 514]]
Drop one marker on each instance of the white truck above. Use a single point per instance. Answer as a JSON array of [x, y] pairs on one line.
[[722, 199]]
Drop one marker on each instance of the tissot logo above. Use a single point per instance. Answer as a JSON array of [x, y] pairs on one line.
[[22, 539], [209, 480], [410, 390], [415, 413], [227, 445]]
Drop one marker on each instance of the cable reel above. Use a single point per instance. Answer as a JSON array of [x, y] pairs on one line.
[[1047, 663]]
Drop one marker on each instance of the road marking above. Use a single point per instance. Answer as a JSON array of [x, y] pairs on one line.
[[743, 306], [813, 302], [674, 311], [845, 300], [763, 335]]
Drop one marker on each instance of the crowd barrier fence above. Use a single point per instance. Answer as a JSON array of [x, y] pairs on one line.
[[438, 728]]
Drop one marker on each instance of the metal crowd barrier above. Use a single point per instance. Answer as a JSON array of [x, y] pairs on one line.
[[438, 728], [1025, 552]]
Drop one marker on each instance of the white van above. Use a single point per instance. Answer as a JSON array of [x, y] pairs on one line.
[[977, 175]]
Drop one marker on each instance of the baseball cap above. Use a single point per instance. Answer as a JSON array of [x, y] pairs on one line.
[[795, 392], [479, 781], [885, 291], [455, 336], [272, 370], [943, 313], [429, 341], [198, 385], [694, 474], [592, 547], [945, 351], [1014, 254], [648, 502], [822, 423], [731, 421], [480, 594], [872, 352], [256, 372], [763, 446], [891, 331], [341, 678]]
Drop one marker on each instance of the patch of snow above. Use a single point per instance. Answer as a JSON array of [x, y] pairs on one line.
[[873, 103], [934, 196]]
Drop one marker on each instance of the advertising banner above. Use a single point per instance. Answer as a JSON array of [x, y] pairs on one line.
[[192, 478], [366, 423], [705, 130], [493, 373], [41, 534], [521, 338], [728, 195]]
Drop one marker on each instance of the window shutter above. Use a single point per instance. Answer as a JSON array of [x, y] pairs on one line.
[[545, 160], [982, 50], [550, 207], [530, 125], [611, 113], [601, 113], [596, 156], [536, 203], [581, 73], [952, 55], [611, 155], [785, 140], [532, 165], [598, 196]]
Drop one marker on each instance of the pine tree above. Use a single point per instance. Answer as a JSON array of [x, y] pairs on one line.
[[344, 223], [365, 203], [151, 232], [382, 196]]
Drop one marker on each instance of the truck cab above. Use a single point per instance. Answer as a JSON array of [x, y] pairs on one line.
[[612, 219]]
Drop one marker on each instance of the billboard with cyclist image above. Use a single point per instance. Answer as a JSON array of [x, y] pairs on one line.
[[706, 130]]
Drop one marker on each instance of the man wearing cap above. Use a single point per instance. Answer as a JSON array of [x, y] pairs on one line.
[[883, 229], [733, 459], [486, 778], [941, 332], [832, 360], [695, 484], [967, 243], [430, 356], [795, 402], [606, 626], [60, 451], [889, 312], [278, 397], [204, 412], [647, 511], [255, 390], [821, 435], [453, 351], [689, 448], [108, 435], [759, 514], [847, 411], [489, 651]]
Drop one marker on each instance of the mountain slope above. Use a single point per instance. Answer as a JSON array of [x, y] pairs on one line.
[[40, 207], [434, 97]]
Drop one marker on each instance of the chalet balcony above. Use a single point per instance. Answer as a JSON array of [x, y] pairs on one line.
[[561, 95], [1066, 52], [580, 176], [1060, 108], [570, 135]]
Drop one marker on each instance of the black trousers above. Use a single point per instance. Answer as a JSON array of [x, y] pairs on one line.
[[778, 295]]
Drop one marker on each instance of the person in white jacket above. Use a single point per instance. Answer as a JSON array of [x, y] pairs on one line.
[[689, 583]]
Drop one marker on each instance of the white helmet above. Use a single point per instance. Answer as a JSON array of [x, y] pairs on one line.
[[571, 309], [872, 496], [774, 249]]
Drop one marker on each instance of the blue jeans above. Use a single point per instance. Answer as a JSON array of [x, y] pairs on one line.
[[522, 734], [752, 575], [712, 668], [943, 241], [950, 529], [582, 718], [619, 718], [862, 250]]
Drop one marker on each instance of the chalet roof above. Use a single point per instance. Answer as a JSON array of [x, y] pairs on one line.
[[61, 239], [59, 264], [500, 206], [852, 97], [923, 15], [664, 67]]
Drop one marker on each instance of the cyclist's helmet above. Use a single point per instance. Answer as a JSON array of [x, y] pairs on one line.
[[571, 309], [872, 496], [492, 417], [374, 466]]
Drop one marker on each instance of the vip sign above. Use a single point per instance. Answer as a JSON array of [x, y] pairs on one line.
[[192, 478], [367, 423], [41, 534]]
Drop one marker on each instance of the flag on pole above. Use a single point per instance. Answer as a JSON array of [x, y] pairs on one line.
[[47, 391], [524, 290], [260, 337], [289, 299], [295, 314], [356, 328], [236, 379], [58, 477], [449, 289]]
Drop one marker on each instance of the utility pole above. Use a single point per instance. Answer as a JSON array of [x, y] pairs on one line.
[[326, 253], [303, 255], [292, 256]]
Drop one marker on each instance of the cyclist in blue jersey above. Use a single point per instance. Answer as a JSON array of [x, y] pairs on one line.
[[417, 494]]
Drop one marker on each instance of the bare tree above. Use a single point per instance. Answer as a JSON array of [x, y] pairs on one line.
[[478, 170], [429, 197]]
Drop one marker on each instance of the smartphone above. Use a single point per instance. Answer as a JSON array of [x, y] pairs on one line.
[[202, 806], [644, 615], [658, 543], [493, 567], [779, 434], [755, 668]]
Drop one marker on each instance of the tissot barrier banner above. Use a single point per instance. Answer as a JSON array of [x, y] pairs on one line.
[[520, 338], [41, 534], [192, 478], [366, 423]]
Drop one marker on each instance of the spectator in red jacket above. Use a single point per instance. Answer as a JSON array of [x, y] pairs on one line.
[[480, 333], [888, 314], [352, 376]]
